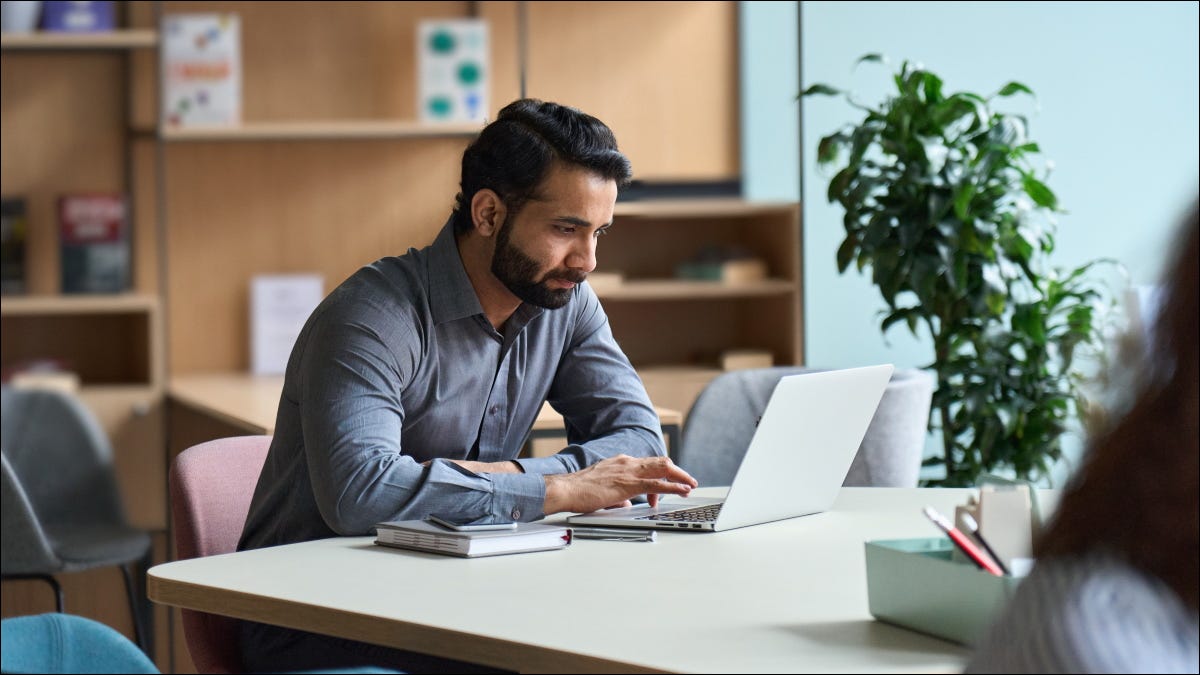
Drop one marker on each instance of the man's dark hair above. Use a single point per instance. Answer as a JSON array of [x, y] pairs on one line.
[[513, 154]]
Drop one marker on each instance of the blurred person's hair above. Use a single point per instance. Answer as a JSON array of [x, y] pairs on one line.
[[1137, 493]]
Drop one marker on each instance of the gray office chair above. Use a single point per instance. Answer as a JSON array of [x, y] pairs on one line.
[[721, 423], [61, 508]]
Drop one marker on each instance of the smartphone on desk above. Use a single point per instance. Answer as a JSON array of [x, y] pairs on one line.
[[471, 528]]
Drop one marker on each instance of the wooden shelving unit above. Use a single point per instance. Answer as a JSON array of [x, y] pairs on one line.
[[117, 39], [327, 130], [50, 305], [70, 102]]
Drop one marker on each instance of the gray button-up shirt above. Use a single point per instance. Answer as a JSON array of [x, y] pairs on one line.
[[399, 366]]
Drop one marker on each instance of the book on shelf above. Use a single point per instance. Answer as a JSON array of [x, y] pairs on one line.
[[94, 243], [421, 535], [14, 232], [202, 70], [726, 265], [78, 16]]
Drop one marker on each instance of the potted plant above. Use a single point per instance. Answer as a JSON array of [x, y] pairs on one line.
[[944, 205]]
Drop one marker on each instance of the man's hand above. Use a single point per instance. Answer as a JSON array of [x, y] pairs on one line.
[[613, 481]]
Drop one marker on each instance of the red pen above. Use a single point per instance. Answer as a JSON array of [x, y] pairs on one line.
[[983, 560]]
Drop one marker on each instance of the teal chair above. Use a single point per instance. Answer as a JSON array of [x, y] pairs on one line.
[[66, 643]]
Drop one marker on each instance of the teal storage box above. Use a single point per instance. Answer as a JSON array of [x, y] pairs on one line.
[[916, 584]]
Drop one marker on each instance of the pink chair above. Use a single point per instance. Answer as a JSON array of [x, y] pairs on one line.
[[211, 486]]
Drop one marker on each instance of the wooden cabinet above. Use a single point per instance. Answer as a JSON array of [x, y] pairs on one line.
[[673, 330]]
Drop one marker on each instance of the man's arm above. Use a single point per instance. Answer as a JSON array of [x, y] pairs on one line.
[[601, 398], [609, 482], [352, 372]]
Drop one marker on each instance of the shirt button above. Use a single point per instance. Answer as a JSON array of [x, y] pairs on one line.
[[495, 409], [516, 514]]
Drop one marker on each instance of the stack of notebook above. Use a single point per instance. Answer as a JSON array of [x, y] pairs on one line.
[[420, 535]]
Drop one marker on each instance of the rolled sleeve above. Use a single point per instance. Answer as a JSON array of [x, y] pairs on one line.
[[548, 465], [517, 496]]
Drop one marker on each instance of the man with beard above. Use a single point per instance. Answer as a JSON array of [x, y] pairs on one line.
[[412, 387]]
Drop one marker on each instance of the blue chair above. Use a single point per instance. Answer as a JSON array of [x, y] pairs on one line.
[[66, 643]]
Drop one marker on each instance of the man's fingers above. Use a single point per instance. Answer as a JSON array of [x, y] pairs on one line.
[[663, 467], [667, 487]]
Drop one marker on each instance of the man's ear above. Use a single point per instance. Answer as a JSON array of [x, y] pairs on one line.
[[487, 212]]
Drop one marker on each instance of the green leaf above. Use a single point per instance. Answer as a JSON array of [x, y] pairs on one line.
[[845, 253], [820, 90], [1013, 88], [872, 58], [830, 147], [1039, 193], [962, 201]]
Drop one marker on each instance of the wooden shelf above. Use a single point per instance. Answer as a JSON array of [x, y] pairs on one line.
[[339, 130], [117, 39], [673, 289], [699, 207], [52, 305]]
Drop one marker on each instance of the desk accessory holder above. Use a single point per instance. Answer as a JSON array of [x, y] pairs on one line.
[[917, 584]]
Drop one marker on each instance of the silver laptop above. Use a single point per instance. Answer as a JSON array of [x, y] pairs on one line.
[[799, 456]]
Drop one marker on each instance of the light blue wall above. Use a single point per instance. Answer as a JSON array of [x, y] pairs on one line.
[[1117, 90], [770, 69], [1117, 112]]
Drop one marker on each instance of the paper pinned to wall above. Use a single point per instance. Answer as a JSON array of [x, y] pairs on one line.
[[279, 306]]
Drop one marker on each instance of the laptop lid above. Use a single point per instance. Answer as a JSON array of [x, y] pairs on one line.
[[798, 457]]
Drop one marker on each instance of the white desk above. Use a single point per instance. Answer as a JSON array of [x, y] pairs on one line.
[[789, 596]]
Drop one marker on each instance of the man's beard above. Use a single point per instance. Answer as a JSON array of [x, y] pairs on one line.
[[519, 273]]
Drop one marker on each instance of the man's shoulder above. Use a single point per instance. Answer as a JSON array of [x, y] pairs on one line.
[[392, 286]]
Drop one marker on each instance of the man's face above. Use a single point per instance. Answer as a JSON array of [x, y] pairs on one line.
[[547, 247]]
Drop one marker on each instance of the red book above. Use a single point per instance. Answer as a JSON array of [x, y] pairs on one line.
[[94, 241]]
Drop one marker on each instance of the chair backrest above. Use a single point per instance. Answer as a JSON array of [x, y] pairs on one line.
[[56, 446], [211, 487], [722, 420], [65, 643]]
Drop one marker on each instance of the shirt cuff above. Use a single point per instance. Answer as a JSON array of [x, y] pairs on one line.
[[544, 465], [518, 497]]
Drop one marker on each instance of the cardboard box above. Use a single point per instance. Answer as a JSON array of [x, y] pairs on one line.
[[916, 584]]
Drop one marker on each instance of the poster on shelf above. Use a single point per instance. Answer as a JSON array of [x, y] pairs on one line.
[[452, 70], [279, 306], [202, 70]]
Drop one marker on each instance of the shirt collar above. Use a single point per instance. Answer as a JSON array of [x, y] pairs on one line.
[[451, 294]]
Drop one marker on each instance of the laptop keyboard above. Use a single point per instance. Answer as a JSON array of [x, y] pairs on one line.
[[696, 514]]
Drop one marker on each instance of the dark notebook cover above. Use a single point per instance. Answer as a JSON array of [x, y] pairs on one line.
[[14, 230]]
